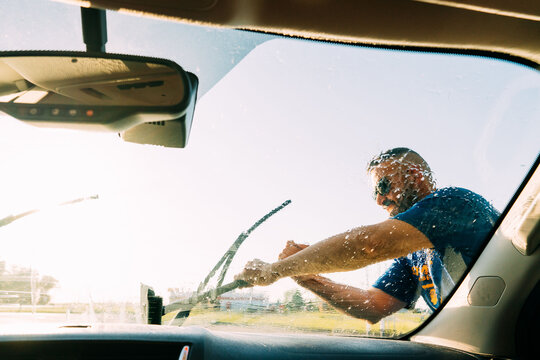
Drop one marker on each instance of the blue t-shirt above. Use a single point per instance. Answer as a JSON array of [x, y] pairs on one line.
[[456, 221]]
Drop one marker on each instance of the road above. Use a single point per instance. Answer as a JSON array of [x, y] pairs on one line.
[[59, 318]]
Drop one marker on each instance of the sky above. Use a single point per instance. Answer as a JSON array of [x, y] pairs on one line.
[[289, 119]]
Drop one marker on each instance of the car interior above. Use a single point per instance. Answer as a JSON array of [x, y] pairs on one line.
[[492, 312]]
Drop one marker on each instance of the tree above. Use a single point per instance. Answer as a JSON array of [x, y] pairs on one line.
[[294, 300], [19, 284]]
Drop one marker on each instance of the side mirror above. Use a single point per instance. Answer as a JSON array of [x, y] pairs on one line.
[[130, 95]]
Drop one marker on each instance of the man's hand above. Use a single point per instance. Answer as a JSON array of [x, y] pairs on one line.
[[290, 249], [258, 272]]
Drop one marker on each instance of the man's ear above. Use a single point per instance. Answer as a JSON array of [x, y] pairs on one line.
[[416, 174]]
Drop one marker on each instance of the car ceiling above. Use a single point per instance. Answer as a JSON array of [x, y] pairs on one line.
[[503, 26]]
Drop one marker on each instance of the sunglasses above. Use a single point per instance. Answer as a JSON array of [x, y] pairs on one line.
[[382, 188]]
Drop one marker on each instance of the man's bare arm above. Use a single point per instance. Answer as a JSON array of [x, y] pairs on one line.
[[351, 250], [372, 304]]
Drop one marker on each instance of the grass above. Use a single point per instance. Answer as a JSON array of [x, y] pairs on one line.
[[322, 322], [328, 322]]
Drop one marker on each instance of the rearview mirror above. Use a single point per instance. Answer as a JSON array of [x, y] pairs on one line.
[[98, 91]]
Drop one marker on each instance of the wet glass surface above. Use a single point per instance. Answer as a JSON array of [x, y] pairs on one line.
[[276, 120]]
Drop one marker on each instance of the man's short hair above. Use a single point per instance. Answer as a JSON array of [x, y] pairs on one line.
[[400, 154]]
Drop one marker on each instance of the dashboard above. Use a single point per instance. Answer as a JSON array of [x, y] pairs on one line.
[[168, 343]]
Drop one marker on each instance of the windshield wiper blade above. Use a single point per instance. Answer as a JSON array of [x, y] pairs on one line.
[[11, 218], [152, 305], [231, 252]]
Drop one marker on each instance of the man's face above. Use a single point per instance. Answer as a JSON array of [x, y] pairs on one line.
[[394, 188]]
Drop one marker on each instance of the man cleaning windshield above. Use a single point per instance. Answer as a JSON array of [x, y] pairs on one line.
[[432, 235]]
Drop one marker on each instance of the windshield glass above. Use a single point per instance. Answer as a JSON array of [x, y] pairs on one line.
[[276, 119]]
